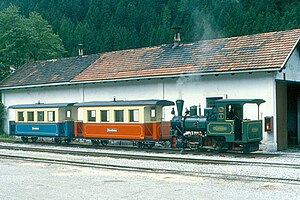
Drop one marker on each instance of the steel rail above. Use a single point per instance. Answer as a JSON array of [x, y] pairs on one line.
[[154, 158], [153, 150], [153, 170]]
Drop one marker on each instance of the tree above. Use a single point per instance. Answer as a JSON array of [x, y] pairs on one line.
[[23, 39]]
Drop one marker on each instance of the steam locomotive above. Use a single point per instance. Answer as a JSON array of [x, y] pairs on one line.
[[222, 127]]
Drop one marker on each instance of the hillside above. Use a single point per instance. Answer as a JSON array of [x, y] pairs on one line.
[[121, 24]]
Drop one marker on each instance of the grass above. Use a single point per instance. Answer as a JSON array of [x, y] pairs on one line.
[[4, 136]]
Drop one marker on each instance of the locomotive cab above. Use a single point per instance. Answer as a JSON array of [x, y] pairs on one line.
[[238, 122]]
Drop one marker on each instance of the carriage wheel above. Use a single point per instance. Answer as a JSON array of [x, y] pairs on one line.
[[140, 145], [24, 139], [34, 139], [95, 142], [104, 142], [57, 140], [67, 140], [150, 145]]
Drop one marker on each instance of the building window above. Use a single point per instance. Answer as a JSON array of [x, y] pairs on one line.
[[91, 115], [21, 116], [40, 116], [133, 115], [104, 115], [119, 115], [30, 116], [211, 101], [51, 116], [153, 114]]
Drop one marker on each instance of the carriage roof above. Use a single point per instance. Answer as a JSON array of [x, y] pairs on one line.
[[152, 102], [41, 105]]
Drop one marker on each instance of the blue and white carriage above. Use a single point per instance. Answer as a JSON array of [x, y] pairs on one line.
[[44, 120]]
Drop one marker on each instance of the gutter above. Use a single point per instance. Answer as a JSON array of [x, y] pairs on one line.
[[70, 83]]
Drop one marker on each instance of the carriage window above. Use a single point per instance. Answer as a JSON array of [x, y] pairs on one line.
[[119, 115], [40, 116], [153, 114], [104, 115], [91, 115], [68, 114], [30, 116], [21, 116], [133, 115], [51, 116]]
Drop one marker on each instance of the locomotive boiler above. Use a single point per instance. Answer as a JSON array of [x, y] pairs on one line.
[[222, 127]]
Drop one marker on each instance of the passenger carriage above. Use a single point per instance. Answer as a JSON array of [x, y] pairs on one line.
[[44, 120], [141, 121]]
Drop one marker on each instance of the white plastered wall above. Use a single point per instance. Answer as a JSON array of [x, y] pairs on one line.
[[292, 68], [193, 90]]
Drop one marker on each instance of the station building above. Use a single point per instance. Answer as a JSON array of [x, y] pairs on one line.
[[261, 66]]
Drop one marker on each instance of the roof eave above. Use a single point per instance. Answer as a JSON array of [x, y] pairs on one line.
[[140, 78]]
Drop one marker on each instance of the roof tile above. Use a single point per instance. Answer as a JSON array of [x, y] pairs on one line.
[[250, 52]]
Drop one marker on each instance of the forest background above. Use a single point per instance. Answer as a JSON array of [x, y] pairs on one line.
[[44, 29]]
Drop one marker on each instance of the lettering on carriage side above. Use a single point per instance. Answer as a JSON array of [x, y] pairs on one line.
[[35, 128], [220, 128], [112, 130]]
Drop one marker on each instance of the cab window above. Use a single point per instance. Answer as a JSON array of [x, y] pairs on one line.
[[234, 111], [30, 116]]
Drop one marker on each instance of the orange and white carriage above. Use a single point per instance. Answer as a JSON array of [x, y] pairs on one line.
[[140, 121]]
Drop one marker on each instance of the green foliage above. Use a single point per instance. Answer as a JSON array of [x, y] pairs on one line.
[[25, 38], [108, 25]]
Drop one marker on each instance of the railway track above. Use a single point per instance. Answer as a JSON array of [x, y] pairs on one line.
[[167, 158], [226, 176], [152, 150]]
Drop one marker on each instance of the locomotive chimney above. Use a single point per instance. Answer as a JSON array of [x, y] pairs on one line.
[[179, 104]]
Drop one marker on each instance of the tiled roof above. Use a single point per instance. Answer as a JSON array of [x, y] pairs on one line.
[[49, 71], [250, 52]]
